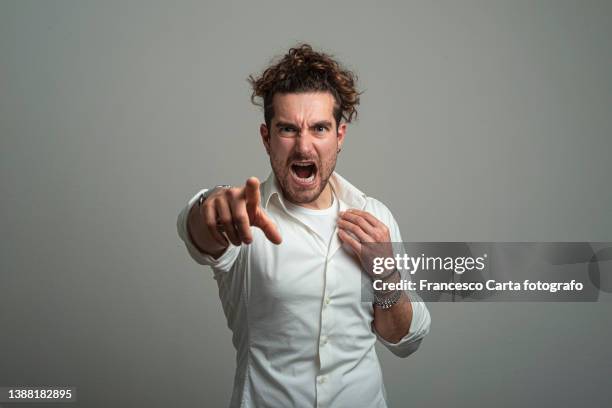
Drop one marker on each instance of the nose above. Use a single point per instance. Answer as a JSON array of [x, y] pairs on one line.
[[304, 143]]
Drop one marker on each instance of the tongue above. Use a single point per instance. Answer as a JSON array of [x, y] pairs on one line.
[[303, 171]]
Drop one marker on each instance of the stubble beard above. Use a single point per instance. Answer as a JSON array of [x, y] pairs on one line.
[[282, 172]]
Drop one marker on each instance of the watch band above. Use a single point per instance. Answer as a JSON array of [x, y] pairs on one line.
[[385, 302]]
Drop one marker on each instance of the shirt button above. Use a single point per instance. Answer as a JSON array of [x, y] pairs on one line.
[[327, 300], [323, 340], [322, 379]]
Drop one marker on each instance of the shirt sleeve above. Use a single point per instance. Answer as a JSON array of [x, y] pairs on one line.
[[224, 262], [421, 320], [419, 327]]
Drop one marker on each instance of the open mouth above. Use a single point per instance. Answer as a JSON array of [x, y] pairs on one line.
[[304, 172]]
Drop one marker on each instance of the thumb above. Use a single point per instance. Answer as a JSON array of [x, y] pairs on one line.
[[268, 227]]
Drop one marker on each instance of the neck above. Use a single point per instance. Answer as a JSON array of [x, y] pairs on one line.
[[322, 202]]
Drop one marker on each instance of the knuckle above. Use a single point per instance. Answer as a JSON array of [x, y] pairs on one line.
[[215, 195], [209, 203], [220, 200]]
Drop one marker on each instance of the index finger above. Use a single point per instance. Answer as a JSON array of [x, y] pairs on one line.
[[251, 193]]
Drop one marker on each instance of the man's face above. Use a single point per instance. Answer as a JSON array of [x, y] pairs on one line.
[[303, 143]]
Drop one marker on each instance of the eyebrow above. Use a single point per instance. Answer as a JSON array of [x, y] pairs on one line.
[[284, 124], [325, 123]]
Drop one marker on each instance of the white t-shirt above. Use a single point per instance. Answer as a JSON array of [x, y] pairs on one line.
[[321, 222]]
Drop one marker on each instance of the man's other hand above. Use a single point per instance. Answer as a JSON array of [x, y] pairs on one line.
[[357, 229]]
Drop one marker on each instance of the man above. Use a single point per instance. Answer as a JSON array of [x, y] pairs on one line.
[[288, 257]]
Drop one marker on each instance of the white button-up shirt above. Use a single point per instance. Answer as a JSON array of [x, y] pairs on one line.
[[303, 335]]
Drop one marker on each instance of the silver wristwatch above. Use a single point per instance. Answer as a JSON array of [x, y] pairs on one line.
[[385, 302]]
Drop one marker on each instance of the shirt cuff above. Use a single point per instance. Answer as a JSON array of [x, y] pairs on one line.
[[223, 262], [419, 327]]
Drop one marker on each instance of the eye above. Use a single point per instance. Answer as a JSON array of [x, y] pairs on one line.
[[320, 129], [286, 129]]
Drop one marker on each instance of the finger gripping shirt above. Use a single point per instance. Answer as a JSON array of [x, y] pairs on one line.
[[303, 335]]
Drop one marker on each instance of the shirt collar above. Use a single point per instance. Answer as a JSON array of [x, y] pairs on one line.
[[348, 195]]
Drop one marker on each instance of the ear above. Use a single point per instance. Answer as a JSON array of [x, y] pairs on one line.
[[265, 137], [341, 133]]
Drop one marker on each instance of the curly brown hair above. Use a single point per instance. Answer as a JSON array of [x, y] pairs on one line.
[[304, 70]]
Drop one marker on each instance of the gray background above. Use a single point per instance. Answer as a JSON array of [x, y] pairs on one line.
[[480, 121]]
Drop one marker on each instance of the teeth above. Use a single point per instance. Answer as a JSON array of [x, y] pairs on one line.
[[306, 180]]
